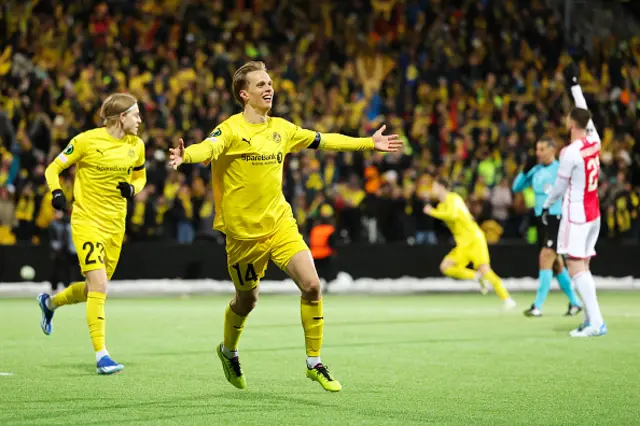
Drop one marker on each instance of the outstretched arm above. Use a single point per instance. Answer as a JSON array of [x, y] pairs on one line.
[[205, 151], [341, 143], [303, 138], [581, 102], [578, 98]]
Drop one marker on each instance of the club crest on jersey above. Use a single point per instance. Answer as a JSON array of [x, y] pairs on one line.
[[132, 153], [276, 137], [68, 150], [215, 133]]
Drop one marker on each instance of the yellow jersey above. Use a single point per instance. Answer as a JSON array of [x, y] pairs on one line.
[[247, 163], [102, 161], [454, 213]]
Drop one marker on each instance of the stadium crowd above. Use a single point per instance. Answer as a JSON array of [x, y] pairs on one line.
[[470, 86]]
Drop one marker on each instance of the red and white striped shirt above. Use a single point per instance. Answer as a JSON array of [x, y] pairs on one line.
[[580, 165]]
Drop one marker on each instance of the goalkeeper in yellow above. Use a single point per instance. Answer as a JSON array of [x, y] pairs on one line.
[[471, 244], [109, 171], [247, 153]]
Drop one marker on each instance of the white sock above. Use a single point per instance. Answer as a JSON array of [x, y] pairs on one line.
[[586, 286], [586, 314], [49, 303], [101, 353], [228, 352], [312, 361]]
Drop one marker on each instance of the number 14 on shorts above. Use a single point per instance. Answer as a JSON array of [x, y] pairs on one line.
[[249, 274]]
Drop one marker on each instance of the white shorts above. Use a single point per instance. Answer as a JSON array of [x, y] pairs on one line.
[[578, 240]]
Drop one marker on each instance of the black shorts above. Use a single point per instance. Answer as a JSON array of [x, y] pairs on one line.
[[548, 235]]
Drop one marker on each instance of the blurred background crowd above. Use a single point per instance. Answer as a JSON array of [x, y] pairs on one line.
[[470, 86]]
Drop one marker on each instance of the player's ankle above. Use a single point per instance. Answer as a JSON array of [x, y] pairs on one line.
[[312, 361], [228, 353], [49, 304], [102, 353]]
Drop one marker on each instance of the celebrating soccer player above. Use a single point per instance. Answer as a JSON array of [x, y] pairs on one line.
[[471, 244], [541, 177], [247, 155], [580, 225], [110, 170]]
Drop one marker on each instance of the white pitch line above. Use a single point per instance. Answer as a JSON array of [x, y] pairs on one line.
[[5, 374]]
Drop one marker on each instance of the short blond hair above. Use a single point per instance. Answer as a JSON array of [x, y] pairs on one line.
[[240, 81], [115, 105]]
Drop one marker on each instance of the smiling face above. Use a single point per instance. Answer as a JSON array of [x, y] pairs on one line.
[[252, 87], [259, 91]]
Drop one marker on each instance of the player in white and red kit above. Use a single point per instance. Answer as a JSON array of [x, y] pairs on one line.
[[577, 182]]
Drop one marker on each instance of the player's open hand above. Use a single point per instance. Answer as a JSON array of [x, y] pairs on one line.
[[386, 143], [176, 155]]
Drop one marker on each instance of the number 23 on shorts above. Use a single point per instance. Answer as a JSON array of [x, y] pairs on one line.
[[94, 253]]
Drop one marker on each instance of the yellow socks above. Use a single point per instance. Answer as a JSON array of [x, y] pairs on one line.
[[70, 295], [233, 326], [496, 282], [96, 320], [460, 273], [313, 325]]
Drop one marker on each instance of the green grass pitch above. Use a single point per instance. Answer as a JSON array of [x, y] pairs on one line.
[[403, 360]]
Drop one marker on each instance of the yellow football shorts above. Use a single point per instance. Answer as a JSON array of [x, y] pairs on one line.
[[96, 250], [476, 252], [247, 260]]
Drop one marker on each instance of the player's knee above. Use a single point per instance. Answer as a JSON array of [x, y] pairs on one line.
[[484, 269], [575, 266], [310, 288], [245, 302], [547, 258], [97, 281], [558, 266], [445, 265]]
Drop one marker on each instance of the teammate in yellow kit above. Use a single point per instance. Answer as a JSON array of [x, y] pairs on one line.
[[247, 155], [110, 171], [471, 244]]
